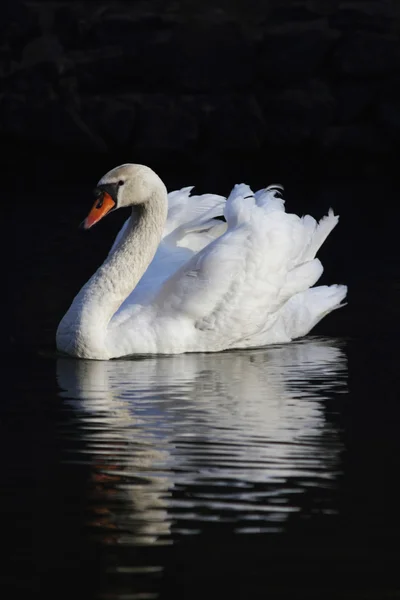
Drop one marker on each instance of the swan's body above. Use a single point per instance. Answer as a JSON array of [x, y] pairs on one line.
[[179, 280]]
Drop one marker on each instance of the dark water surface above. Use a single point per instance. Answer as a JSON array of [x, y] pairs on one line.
[[269, 473]]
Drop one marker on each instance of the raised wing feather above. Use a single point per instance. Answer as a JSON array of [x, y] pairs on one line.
[[190, 226], [235, 286]]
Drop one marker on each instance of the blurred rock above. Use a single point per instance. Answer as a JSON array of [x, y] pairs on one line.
[[14, 115], [362, 137], [63, 126], [372, 17], [69, 27], [45, 48], [123, 54], [354, 99], [114, 70], [210, 56], [151, 75], [389, 117], [297, 13], [235, 123], [20, 25], [325, 8], [50, 123], [389, 110], [111, 118], [108, 71], [196, 57], [294, 52], [362, 54], [44, 82], [165, 122], [132, 35], [298, 114], [68, 89], [37, 82]]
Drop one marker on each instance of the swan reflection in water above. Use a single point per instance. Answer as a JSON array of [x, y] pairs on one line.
[[246, 432]]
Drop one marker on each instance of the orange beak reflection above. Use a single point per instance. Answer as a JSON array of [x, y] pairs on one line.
[[100, 208]]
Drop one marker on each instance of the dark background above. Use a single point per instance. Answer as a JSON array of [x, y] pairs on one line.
[[304, 93], [201, 79]]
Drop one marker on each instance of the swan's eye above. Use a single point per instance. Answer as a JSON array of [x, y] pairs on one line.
[[120, 182]]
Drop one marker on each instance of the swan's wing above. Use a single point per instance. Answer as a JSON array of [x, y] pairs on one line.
[[183, 208], [236, 284], [191, 221], [190, 226]]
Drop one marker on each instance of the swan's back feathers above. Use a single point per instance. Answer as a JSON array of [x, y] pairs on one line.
[[191, 225], [236, 286], [188, 215], [239, 205], [184, 208], [242, 282], [241, 202], [269, 199], [318, 232]]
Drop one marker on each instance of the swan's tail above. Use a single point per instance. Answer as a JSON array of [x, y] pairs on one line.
[[303, 311], [318, 232], [298, 316]]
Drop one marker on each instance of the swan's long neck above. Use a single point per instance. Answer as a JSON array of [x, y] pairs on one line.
[[83, 330]]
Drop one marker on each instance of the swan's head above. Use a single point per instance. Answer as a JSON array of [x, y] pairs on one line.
[[126, 185]]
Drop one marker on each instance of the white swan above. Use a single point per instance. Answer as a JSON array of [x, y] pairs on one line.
[[179, 280]]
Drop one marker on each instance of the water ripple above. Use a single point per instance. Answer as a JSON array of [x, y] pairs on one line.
[[177, 443]]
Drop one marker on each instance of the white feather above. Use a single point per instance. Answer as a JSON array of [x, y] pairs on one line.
[[213, 285]]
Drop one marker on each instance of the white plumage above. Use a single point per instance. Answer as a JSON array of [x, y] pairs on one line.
[[184, 281]]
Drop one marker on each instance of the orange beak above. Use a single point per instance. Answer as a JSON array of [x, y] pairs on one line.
[[100, 208]]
